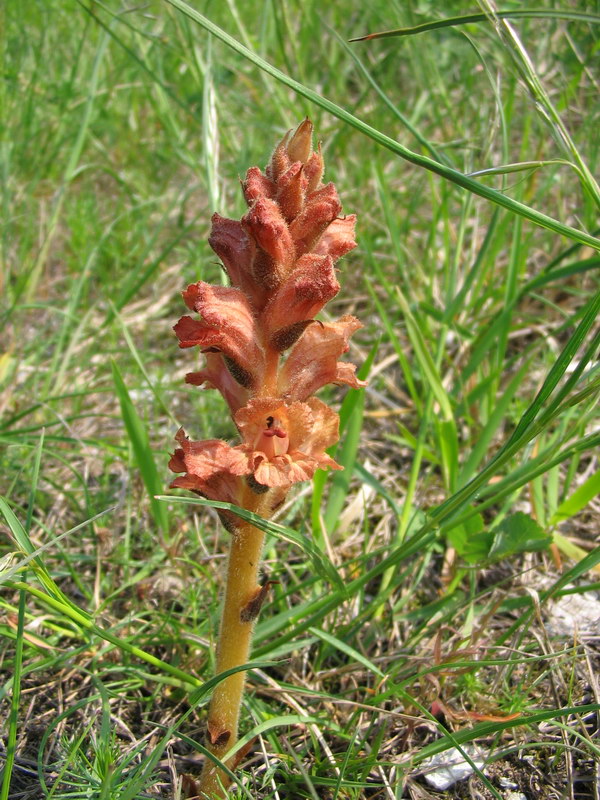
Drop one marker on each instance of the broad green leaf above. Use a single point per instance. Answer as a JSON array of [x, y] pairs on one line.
[[578, 500], [470, 540], [518, 533]]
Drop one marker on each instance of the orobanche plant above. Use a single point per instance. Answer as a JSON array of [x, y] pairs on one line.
[[267, 355]]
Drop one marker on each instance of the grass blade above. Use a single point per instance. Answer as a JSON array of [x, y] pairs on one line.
[[138, 436], [321, 563], [578, 500], [11, 743], [468, 19], [458, 178]]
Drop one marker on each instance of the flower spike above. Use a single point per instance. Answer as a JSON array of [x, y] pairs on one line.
[[267, 354]]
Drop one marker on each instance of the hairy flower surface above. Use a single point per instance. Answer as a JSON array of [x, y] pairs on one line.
[[282, 444], [265, 351]]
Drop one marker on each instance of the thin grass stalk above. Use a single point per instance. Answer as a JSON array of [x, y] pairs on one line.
[[525, 68], [456, 177]]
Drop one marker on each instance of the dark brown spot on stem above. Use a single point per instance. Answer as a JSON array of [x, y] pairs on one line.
[[252, 608], [217, 735]]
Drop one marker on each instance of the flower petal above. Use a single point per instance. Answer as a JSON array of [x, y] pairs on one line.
[[257, 185], [217, 376], [227, 326], [302, 295], [313, 427], [212, 468], [291, 189], [278, 472], [234, 247], [202, 459], [266, 225], [313, 171], [338, 238], [321, 208], [299, 144], [312, 363]]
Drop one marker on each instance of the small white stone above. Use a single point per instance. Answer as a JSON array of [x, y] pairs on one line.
[[445, 769], [575, 613]]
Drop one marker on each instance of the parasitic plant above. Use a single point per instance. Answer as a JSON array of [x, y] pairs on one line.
[[267, 355]]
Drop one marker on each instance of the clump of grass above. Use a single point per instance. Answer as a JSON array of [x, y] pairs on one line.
[[414, 587]]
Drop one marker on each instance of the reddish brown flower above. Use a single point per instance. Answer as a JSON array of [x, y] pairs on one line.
[[235, 249], [208, 467], [227, 327], [280, 259], [282, 444], [313, 362], [267, 354], [290, 213], [299, 299], [285, 443], [338, 238]]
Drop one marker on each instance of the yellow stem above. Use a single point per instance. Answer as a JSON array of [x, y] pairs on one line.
[[233, 650], [269, 382]]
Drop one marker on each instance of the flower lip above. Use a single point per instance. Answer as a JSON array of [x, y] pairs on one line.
[[275, 432], [273, 440], [279, 460]]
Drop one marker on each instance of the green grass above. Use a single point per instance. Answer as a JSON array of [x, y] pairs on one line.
[[421, 576]]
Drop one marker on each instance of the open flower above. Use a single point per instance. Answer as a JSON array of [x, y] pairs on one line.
[[286, 443], [208, 468], [313, 362], [226, 327], [282, 444], [299, 299]]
